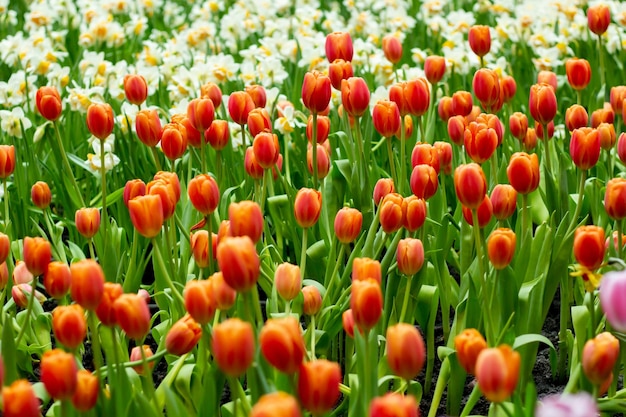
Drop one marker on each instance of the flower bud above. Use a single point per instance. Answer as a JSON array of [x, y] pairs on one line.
[[199, 242], [392, 48], [366, 302], [616, 98], [504, 201], [386, 118], [251, 165], [87, 221], [7, 161], [218, 134], [444, 151], [530, 140], [542, 103], [148, 127], [282, 344], [484, 213], [40, 195], [390, 211], [508, 88], [486, 86], [287, 281], [415, 210], [347, 319], [603, 115], [87, 283], [501, 247], [348, 223], [21, 274], [434, 68], [599, 357], [576, 117], [406, 352], [355, 96], [278, 404], [37, 254], [410, 256], [48, 103], [468, 345], [233, 346], [69, 325], [133, 315], [339, 46], [21, 294], [100, 120], [366, 268], [258, 94], [58, 374], [462, 103], [318, 385], [57, 279], [615, 198], [200, 301], [607, 135], [87, 389], [135, 88], [425, 153], [456, 129], [497, 372], [417, 95], [204, 193], [621, 147], [105, 310], [239, 262], [184, 335], [246, 219], [224, 294], [19, 400], [174, 140], [424, 181], [479, 39], [584, 147], [523, 172], [4, 276], [266, 149], [146, 214], [307, 207], [136, 355], [259, 121], [547, 77], [316, 91], [339, 70], [5, 247], [385, 186], [589, 246], [133, 188], [444, 108], [240, 104], [394, 404], [312, 300], [480, 142], [470, 185], [598, 18], [213, 92], [578, 73], [323, 159]]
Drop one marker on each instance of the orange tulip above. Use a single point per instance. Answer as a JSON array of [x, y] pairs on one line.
[[323, 160], [135, 88], [133, 188], [484, 212], [434, 68], [575, 117], [87, 389], [542, 103], [417, 94], [259, 121], [366, 268], [621, 147], [383, 187], [386, 118], [518, 125], [58, 374], [347, 320], [615, 198], [19, 400], [246, 219], [174, 140], [504, 200], [425, 153], [37, 254], [132, 315], [480, 142], [444, 152], [204, 193], [199, 242], [282, 344], [146, 214], [49, 103], [69, 325], [390, 210], [462, 103], [184, 335], [287, 281], [316, 91], [470, 185], [530, 140], [87, 221], [598, 18], [250, 164], [200, 301], [589, 248], [240, 104], [348, 222], [148, 127], [424, 181], [501, 247], [584, 147], [410, 256], [468, 345], [218, 134], [318, 385], [40, 195], [523, 172], [5, 246], [444, 108], [137, 355], [312, 303], [7, 161], [278, 404], [87, 283], [258, 94], [607, 135], [415, 210], [616, 98], [548, 77], [486, 86], [100, 120], [239, 262], [406, 352], [57, 279], [213, 92], [233, 346], [456, 129], [479, 39], [366, 302], [497, 372], [355, 96], [508, 88], [603, 115], [266, 149], [339, 70], [578, 73], [105, 310], [339, 46], [307, 207], [394, 404], [599, 357], [392, 48]]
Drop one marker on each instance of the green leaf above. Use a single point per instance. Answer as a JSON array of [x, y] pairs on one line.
[[531, 338]]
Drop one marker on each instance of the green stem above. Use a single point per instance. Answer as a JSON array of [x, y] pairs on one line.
[[92, 252], [6, 206], [155, 155], [589, 300], [546, 143], [168, 248], [287, 138], [471, 401], [602, 74], [504, 408], [333, 277], [314, 149], [66, 163], [573, 380], [166, 276], [238, 396], [312, 337], [579, 97], [566, 288], [403, 139], [579, 202], [303, 253], [392, 163], [147, 375], [29, 312], [103, 175], [243, 137], [130, 272], [203, 153], [219, 166], [210, 230], [95, 340], [442, 381], [525, 226], [266, 174], [407, 295], [483, 279]]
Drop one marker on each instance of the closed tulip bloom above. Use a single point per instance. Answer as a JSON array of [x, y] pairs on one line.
[[386, 118], [581, 404], [468, 345], [204, 193], [57, 279], [218, 134], [323, 160], [251, 165], [133, 188], [456, 129], [21, 294], [480, 142], [323, 128], [399, 94], [58, 374], [193, 136], [19, 400], [484, 212], [339, 70], [417, 95], [542, 103], [492, 122], [37, 254], [394, 404], [611, 296], [603, 115], [541, 134], [174, 140], [318, 385], [347, 320], [415, 211], [504, 201], [167, 193], [87, 221], [406, 351], [425, 153], [486, 86], [87, 283], [518, 125], [355, 96], [5, 246], [470, 185], [501, 247], [621, 147], [424, 181], [523, 172], [575, 117], [4, 276], [240, 104], [224, 294], [21, 274], [390, 211], [135, 88], [547, 77], [598, 18], [615, 198], [307, 207], [266, 149], [589, 248], [199, 242], [146, 214], [607, 135], [136, 355], [385, 186], [171, 179], [105, 310], [578, 73], [259, 121], [508, 88], [444, 151], [233, 346], [434, 68], [100, 120], [40, 195], [69, 325], [410, 256], [366, 268], [316, 91], [87, 389], [339, 46], [584, 147], [287, 281], [246, 219], [444, 108], [497, 372], [282, 344], [366, 302], [348, 223], [392, 48], [48, 103], [239, 262], [599, 357], [184, 335], [312, 303], [274, 404], [132, 315], [616, 98], [200, 301], [462, 103], [479, 39], [7, 161], [148, 127], [213, 92], [258, 94]]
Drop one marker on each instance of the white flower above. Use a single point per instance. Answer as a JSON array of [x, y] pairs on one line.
[[12, 122], [94, 160]]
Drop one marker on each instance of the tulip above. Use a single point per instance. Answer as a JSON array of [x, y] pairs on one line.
[[316, 91], [146, 214], [58, 374], [542, 103], [611, 293], [470, 185], [480, 142], [415, 213], [468, 345], [282, 344], [135, 89], [584, 147], [240, 104], [603, 115], [501, 247], [49, 103], [410, 256], [174, 140], [445, 109], [347, 320], [148, 127], [137, 355], [444, 151], [462, 103], [132, 315], [259, 121], [497, 372], [318, 385], [417, 95], [184, 335], [581, 404], [486, 86], [615, 198], [616, 98], [425, 153], [385, 186], [87, 389], [484, 213], [523, 172], [19, 400], [607, 135], [621, 147], [199, 243], [480, 40], [87, 221], [199, 300], [392, 48], [57, 279], [37, 254], [348, 222], [276, 404], [239, 262], [87, 283], [21, 294], [424, 181], [366, 268], [456, 129], [530, 140], [21, 274], [266, 149], [355, 96], [100, 120], [258, 94], [7, 161], [4, 276], [366, 302], [69, 325], [323, 160], [386, 118], [323, 129], [40, 195], [5, 246], [312, 303], [133, 188], [575, 117], [307, 207], [250, 164], [390, 210], [339, 46], [218, 134], [598, 18], [578, 73], [434, 68], [547, 77], [589, 246], [204, 193], [599, 357], [508, 87], [105, 310], [406, 352], [339, 70], [394, 404], [213, 92], [224, 294], [399, 94], [233, 346], [246, 219], [287, 281], [504, 200]]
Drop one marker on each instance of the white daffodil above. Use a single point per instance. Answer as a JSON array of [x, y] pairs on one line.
[[12, 122]]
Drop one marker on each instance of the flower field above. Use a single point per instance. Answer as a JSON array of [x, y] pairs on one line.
[[309, 208]]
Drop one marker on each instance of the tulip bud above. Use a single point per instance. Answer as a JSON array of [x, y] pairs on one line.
[[444, 108], [307, 207], [21, 274], [504, 200], [251, 165], [468, 345], [589, 246], [425, 153], [87, 389], [312, 300], [87, 283], [137, 355], [399, 94], [406, 352], [316, 91], [576, 117], [21, 294], [58, 374], [523, 172], [424, 181], [19, 400], [484, 213], [87, 221], [233, 346], [497, 372], [69, 325], [348, 222], [470, 185], [132, 189], [386, 118], [7, 161], [599, 357], [392, 48], [135, 88], [615, 198], [542, 103], [616, 98], [390, 211], [385, 186], [200, 301], [606, 132], [480, 142], [259, 121], [486, 86], [578, 73], [287, 281], [414, 213], [148, 127], [366, 268], [444, 151], [266, 149], [218, 134], [501, 247], [213, 92], [598, 18], [204, 193], [240, 104], [257, 92], [146, 214], [48, 103], [508, 87], [355, 96], [417, 94], [224, 294], [584, 147], [5, 246], [462, 103], [184, 335], [603, 115], [323, 159], [246, 219], [339, 46], [530, 141], [132, 315], [318, 385], [547, 77], [282, 344], [394, 404], [621, 147], [456, 129], [174, 140], [347, 319], [434, 68], [366, 302], [339, 70], [57, 279], [276, 404], [40, 195], [105, 310], [100, 120], [4, 276], [410, 256], [239, 262], [37, 254], [199, 242], [479, 39]]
